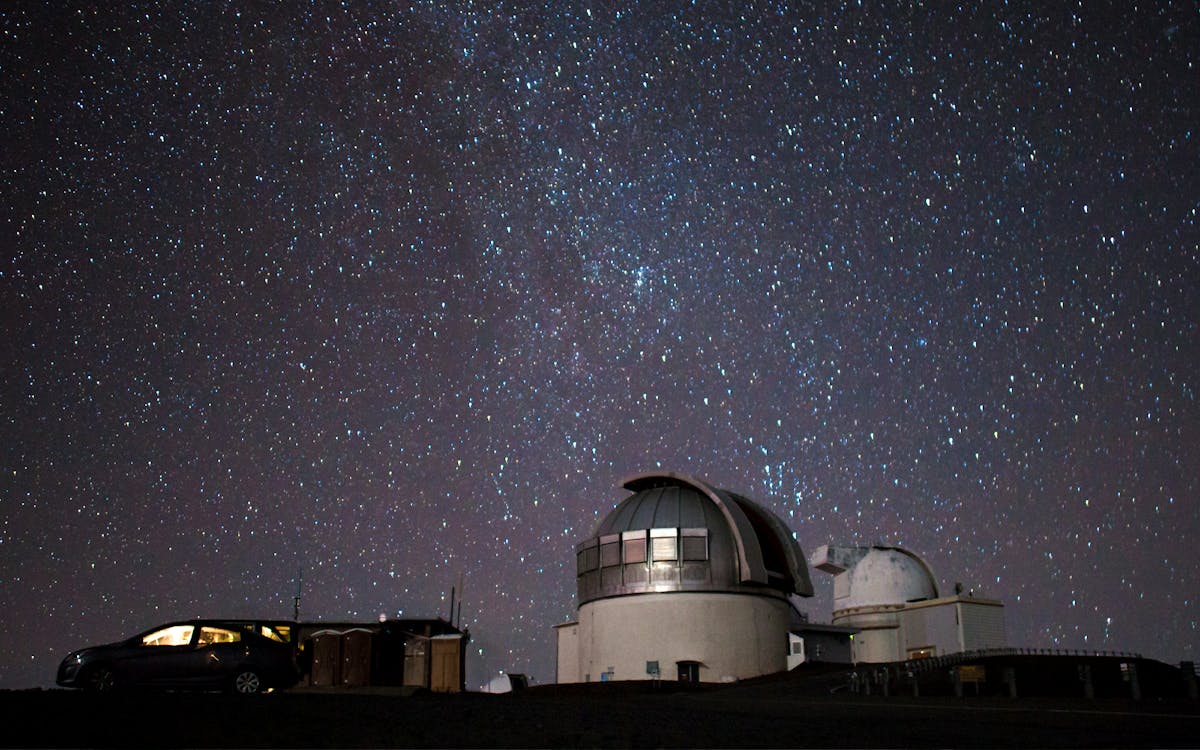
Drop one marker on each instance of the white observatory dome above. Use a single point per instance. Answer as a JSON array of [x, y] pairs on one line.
[[889, 575]]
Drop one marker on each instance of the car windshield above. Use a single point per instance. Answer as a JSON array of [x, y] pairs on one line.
[[175, 635]]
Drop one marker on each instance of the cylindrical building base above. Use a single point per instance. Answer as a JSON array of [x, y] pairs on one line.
[[709, 636]]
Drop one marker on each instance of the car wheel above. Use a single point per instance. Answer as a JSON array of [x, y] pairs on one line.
[[247, 682], [100, 680]]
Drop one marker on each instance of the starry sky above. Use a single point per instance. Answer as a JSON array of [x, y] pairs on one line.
[[395, 294]]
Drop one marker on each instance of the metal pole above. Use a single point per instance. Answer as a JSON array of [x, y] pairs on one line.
[[296, 600]]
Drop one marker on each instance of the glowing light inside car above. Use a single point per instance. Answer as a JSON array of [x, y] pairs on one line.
[[176, 635]]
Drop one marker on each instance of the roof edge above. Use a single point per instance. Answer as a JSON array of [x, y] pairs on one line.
[[796, 562]]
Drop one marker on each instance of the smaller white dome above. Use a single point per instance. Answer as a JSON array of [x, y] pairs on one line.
[[499, 684], [888, 575]]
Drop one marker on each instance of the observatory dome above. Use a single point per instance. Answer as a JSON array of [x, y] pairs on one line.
[[889, 575], [677, 533]]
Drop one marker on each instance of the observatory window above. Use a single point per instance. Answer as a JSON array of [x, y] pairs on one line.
[[663, 548], [695, 544], [587, 557], [635, 550], [610, 554]]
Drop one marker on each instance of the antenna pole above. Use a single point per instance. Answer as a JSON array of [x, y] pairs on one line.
[[296, 600], [462, 589]]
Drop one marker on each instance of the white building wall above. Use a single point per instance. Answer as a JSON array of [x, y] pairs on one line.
[[948, 625], [982, 625], [915, 626], [732, 636], [879, 638], [877, 644], [933, 627], [568, 652], [945, 629]]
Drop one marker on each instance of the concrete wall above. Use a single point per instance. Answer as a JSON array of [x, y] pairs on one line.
[[732, 636]]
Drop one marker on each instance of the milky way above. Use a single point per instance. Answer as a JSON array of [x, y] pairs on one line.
[[397, 294]]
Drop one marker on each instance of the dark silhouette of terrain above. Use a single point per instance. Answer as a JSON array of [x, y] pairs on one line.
[[813, 706]]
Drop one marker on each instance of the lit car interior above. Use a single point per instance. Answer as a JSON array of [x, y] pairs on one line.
[[176, 635]]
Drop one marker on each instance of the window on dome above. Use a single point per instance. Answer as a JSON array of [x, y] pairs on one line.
[[610, 554], [587, 559], [695, 545], [634, 548], [664, 548]]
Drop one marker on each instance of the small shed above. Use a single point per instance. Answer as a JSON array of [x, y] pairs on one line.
[[417, 653]]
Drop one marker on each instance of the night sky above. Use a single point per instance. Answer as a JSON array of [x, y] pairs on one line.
[[395, 294]]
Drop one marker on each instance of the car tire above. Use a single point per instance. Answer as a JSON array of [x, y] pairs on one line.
[[101, 679], [247, 682]]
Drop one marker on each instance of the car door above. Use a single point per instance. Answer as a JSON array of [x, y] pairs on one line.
[[219, 651], [160, 656]]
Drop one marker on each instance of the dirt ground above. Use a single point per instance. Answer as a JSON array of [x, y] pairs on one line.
[[759, 714]]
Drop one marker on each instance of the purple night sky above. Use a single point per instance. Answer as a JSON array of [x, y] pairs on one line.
[[397, 293]]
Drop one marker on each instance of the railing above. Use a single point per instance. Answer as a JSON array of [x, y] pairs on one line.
[[951, 660]]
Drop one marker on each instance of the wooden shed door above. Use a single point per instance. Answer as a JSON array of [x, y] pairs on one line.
[[446, 655]]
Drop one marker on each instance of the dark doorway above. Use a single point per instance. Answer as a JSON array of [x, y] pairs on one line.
[[689, 671]]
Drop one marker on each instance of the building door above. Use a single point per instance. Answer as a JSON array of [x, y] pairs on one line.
[[689, 671], [445, 653], [326, 659]]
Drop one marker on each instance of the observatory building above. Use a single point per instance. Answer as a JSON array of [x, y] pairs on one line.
[[684, 581], [890, 596]]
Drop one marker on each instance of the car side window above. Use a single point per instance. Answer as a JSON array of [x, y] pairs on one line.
[[175, 635], [211, 635]]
